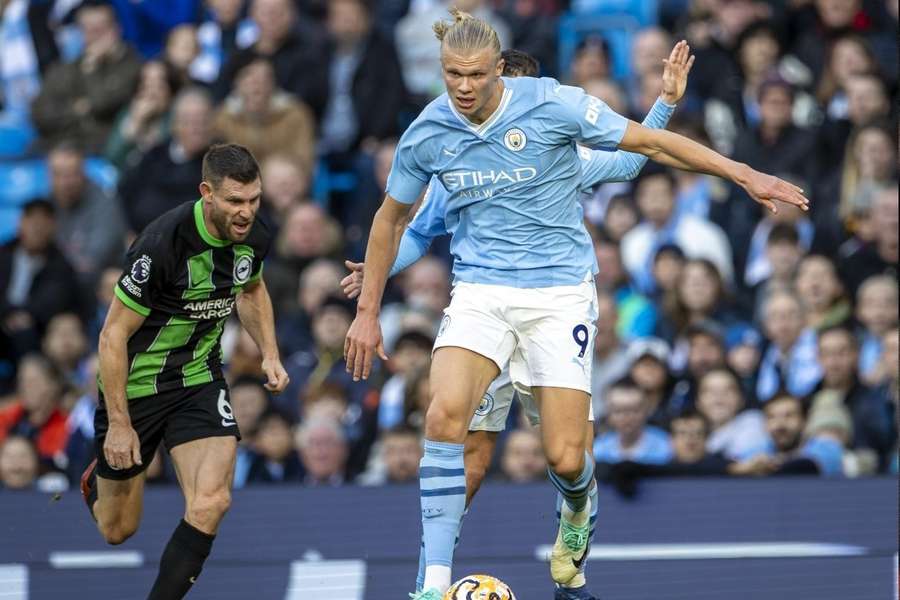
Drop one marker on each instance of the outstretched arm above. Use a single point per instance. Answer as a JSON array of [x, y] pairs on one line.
[[413, 246], [678, 151]]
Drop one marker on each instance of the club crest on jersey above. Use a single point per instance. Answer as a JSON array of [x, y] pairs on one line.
[[515, 139], [243, 266], [140, 270], [486, 405]]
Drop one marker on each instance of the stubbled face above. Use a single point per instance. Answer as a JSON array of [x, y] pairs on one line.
[[232, 207], [473, 81], [784, 422]]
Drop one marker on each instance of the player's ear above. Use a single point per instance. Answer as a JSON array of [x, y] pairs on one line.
[[205, 190], [501, 64]]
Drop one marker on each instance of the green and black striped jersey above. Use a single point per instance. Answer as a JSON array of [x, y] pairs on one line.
[[184, 282]]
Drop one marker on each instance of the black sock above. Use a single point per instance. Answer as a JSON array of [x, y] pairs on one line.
[[181, 562]]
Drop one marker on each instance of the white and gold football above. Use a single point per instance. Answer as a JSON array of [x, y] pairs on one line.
[[479, 587]]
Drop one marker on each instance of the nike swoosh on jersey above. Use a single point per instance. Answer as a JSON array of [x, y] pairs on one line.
[[228, 423], [448, 153]]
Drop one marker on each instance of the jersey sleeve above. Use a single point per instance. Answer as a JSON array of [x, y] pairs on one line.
[[585, 118], [407, 178], [143, 272], [260, 253], [429, 219]]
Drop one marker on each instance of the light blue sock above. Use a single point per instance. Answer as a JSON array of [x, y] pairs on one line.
[[420, 575], [442, 486], [575, 492]]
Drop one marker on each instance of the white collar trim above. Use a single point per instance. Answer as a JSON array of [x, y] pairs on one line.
[[495, 116]]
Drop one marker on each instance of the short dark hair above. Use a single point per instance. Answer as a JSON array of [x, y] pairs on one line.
[[625, 383], [783, 233], [519, 64], [229, 160], [695, 415], [39, 205], [782, 395]]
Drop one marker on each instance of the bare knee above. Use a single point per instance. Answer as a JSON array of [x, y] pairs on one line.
[[206, 509], [445, 422], [567, 461]]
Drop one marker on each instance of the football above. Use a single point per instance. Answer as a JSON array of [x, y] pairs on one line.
[[479, 587]]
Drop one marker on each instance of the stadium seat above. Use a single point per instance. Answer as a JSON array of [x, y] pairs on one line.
[[22, 180], [9, 222], [617, 30], [644, 11], [15, 139]]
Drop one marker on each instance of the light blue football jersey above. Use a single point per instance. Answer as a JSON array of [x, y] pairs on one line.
[[512, 182]]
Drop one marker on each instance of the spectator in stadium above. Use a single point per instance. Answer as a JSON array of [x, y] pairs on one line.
[[274, 458], [611, 360], [146, 121], [36, 413], [868, 100], [18, 463], [690, 449], [783, 253], [620, 217], [417, 398], [522, 459], [791, 361], [325, 361], [821, 292], [420, 56], [80, 423], [66, 346], [167, 175], [699, 296], [331, 399], [27, 51], [103, 295], [366, 90], [401, 451], [411, 353], [322, 447], [80, 206], [885, 399], [307, 234], [743, 351], [224, 31], [697, 238], [846, 196], [637, 316], [80, 100], [357, 210], [879, 256], [839, 357], [295, 48], [36, 280], [249, 401], [648, 367], [650, 47], [759, 267], [701, 349], [592, 61], [180, 50], [820, 452], [614, 96], [668, 265], [285, 185], [630, 437], [318, 281], [264, 118], [426, 287], [533, 26], [734, 428], [876, 310], [848, 55]]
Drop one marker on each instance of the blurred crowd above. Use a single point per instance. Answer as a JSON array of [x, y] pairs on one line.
[[730, 342]]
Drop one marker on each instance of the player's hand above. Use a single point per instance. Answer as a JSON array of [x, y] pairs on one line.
[[352, 283], [276, 377], [122, 447], [767, 190], [675, 72], [362, 343]]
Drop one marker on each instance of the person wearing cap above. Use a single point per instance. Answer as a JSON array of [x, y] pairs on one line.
[[648, 359], [743, 350], [36, 281]]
